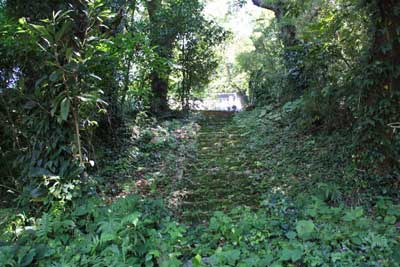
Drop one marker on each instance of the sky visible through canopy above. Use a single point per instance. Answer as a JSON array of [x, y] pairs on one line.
[[242, 23]]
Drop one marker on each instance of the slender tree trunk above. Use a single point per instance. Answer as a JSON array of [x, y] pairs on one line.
[[77, 134], [126, 80], [185, 90]]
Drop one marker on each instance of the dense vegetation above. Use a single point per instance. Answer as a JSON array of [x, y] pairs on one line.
[[338, 67], [103, 163]]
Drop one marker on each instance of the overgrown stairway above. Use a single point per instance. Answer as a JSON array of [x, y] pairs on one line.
[[221, 177]]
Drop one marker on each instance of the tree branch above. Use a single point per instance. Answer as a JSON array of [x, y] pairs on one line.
[[262, 4]]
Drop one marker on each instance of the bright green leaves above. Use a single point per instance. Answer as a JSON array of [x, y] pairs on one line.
[[376, 241], [22, 21], [71, 82], [132, 219], [295, 239], [111, 235], [305, 229], [196, 261]]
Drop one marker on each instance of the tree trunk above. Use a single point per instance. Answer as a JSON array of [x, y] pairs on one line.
[[288, 36], [386, 45], [159, 87], [159, 78], [287, 31], [380, 101]]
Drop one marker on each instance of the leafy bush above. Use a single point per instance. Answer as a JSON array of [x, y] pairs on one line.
[[54, 97], [129, 232]]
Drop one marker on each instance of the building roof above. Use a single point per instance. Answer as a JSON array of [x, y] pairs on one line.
[[226, 95]]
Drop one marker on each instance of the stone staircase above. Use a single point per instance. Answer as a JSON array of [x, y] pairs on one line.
[[221, 175]]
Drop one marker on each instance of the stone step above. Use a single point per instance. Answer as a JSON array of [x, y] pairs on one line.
[[220, 179], [209, 206], [224, 187]]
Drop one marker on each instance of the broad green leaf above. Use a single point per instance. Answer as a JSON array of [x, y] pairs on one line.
[[291, 235], [64, 109], [22, 21], [196, 261], [305, 228], [40, 29], [54, 76], [291, 254], [27, 259], [390, 219], [263, 113]]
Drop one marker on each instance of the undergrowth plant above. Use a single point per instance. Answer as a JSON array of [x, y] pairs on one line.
[[285, 234], [60, 109], [129, 232]]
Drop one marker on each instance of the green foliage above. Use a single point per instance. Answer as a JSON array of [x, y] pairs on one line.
[[265, 67], [126, 233], [73, 75], [197, 57], [318, 235], [297, 222], [33, 10], [180, 26], [152, 161], [309, 196], [305, 229], [335, 59], [133, 232], [64, 98]]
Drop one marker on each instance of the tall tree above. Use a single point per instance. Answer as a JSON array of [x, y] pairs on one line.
[[288, 36], [381, 91], [196, 54], [169, 21], [162, 35]]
